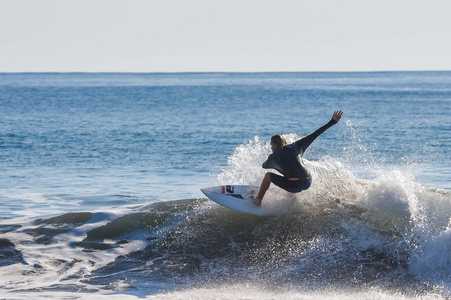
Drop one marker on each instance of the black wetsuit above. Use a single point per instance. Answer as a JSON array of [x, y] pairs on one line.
[[288, 161]]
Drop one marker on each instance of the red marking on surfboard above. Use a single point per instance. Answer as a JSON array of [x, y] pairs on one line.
[[223, 189]]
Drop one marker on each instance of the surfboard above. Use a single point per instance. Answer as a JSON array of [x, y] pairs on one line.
[[237, 197]]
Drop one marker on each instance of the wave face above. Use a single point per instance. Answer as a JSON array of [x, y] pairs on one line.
[[387, 233]]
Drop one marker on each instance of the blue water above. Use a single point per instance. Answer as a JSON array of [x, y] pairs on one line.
[[113, 145]]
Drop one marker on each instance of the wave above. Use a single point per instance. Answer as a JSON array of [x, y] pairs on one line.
[[388, 236], [345, 233]]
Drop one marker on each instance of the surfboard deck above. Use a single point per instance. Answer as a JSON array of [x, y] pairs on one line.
[[237, 197]]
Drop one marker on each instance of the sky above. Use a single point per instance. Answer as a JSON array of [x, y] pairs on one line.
[[224, 35]]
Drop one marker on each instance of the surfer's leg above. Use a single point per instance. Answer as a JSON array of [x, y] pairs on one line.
[[263, 188]]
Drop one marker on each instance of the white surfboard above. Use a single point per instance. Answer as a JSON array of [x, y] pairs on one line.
[[237, 197]]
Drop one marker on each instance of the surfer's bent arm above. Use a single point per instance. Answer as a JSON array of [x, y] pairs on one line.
[[305, 142], [268, 163]]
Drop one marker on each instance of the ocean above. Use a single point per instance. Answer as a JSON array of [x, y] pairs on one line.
[[101, 175]]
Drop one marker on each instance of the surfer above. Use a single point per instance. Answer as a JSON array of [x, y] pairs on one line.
[[287, 160]]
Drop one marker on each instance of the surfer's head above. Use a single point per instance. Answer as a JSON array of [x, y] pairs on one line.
[[278, 142]]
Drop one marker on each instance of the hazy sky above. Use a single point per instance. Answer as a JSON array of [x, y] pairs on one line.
[[228, 35]]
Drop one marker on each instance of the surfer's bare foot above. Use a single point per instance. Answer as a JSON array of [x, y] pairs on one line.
[[254, 198], [256, 201]]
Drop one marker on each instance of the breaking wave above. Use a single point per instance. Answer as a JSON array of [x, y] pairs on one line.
[[385, 234]]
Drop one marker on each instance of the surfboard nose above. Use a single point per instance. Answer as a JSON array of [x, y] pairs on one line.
[[212, 189]]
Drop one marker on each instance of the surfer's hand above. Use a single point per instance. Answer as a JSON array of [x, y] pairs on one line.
[[337, 115]]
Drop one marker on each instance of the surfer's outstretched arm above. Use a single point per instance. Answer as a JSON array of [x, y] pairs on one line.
[[305, 142]]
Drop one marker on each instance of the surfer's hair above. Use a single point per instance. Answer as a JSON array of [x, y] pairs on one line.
[[279, 140]]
